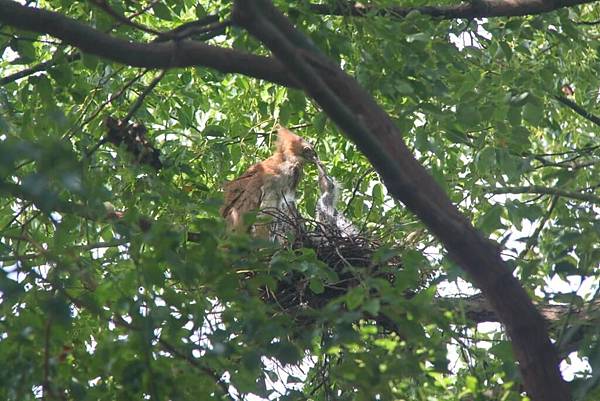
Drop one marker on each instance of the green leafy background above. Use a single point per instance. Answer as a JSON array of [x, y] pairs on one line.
[[93, 309]]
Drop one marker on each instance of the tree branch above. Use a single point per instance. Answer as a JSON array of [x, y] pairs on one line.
[[163, 55], [578, 109], [478, 310], [583, 318], [376, 135], [472, 9], [140, 100], [533, 239], [46, 65], [104, 6], [537, 189]]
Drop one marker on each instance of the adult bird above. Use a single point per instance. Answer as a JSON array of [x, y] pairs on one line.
[[269, 184]]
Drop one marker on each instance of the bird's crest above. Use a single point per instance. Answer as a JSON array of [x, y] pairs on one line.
[[289, 143]]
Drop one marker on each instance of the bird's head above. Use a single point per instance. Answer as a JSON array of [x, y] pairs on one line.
[[293, 146]]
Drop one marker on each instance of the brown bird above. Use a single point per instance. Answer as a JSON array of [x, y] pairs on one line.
[[269, 184]]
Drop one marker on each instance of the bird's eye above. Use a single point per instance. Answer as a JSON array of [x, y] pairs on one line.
[[309, 153]]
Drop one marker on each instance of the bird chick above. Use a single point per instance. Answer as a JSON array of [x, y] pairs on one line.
[[332, 221]]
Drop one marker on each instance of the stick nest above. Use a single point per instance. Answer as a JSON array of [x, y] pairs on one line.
[[351, 257]]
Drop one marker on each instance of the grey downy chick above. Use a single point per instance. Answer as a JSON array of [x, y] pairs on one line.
[[327, 214]]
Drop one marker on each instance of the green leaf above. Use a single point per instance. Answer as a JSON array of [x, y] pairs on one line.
[[533, 111], [200, 11], [355, 298], [44, 88], [26, 50], [566, 267], [490, 221], [377, 194], [285, 352], [90, 61], [372, 306], [316, 285], [418, 37], [485, 160], [404, 87], [467, 115], [162, 11], [514, 115]]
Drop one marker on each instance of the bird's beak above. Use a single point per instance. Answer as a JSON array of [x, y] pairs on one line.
[[321, 168], [312, 157]]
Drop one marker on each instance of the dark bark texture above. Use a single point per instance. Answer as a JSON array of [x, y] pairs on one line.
[[469, 10], [171, 54]]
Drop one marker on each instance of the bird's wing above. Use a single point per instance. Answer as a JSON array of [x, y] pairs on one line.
[[242, 195]]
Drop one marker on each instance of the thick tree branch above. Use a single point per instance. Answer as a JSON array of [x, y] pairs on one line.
[[184, 53], [471, 9], [581, 319], [478, 310], [537, 189], [376, 135]]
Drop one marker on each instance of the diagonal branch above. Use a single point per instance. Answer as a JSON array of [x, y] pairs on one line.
[[471, 9], [375, 134], [578, 109]]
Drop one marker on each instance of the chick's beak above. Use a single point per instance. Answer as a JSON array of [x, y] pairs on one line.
[[320, 167]]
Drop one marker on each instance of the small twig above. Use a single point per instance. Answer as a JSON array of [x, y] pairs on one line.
[[143, 10], [114, 97], [596, 22], [534, 237], [104, 6], [356, 188], [140, 100], [586, 149], [536, 189], [80, 248], [36, 68], [28, 39], [208, 27], [196, 364]]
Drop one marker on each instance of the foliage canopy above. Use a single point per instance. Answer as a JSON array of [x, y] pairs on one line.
[[104, 295]]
